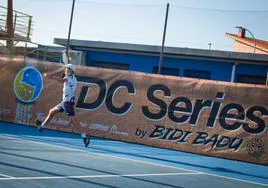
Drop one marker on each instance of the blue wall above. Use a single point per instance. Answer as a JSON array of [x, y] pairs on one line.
[[204, 65], [253, 70], [144, 63]]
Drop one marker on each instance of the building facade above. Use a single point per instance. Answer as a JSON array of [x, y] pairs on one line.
[[194, 63]]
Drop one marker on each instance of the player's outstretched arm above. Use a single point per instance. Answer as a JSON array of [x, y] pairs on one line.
[[50, 74], [54, 74]]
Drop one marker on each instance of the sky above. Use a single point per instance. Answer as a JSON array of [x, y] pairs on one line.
[[191, 23]]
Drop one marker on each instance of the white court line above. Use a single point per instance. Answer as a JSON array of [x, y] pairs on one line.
[[95, 153], [135, 160], [6, 176], [55, 138], [16, 141], [96, 176]]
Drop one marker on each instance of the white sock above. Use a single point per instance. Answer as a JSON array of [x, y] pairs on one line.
[[83, 135], [43, 125]]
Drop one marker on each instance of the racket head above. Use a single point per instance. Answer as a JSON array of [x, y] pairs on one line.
[[65, 58]]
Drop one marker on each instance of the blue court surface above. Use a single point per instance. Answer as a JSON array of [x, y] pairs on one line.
[[55, 159]]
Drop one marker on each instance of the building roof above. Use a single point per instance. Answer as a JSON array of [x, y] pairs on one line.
[[176, 52], [260, 44]]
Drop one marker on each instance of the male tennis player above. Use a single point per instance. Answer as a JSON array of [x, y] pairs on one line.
[[68, 101]]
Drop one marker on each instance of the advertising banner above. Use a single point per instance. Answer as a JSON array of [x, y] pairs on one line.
[[206, 117]]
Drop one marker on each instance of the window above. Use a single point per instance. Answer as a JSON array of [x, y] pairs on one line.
[[167, 71], [197, 74], [110, 65], [251, 79]]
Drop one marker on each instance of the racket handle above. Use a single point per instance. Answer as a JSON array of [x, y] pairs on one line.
[[62, 75]]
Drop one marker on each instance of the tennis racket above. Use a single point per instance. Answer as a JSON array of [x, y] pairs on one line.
[[65, 60]]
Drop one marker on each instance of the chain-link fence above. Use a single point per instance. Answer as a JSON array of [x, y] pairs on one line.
[[190, 25]]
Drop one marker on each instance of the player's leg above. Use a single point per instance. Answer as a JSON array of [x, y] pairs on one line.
[[69, 110], [52, 112], [82, 130]]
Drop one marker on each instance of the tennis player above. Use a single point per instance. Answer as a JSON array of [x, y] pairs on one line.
[[68, 101]]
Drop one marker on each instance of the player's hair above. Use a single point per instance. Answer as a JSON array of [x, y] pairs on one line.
[[70, 70]]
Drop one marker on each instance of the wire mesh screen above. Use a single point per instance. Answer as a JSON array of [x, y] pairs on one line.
[[193, 25]]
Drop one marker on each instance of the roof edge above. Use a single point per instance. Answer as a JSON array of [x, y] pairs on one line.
[[167, 50]]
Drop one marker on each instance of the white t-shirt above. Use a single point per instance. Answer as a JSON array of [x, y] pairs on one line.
[[69, 88]]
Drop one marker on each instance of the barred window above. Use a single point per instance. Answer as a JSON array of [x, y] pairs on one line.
[[166, 71], [251, 79], [197, 74], [110, 65]]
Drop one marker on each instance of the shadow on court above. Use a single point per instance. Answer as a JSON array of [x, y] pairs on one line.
[[61, 158]]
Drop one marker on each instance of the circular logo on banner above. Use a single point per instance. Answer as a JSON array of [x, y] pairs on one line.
[[28, 84], [255, 147]]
